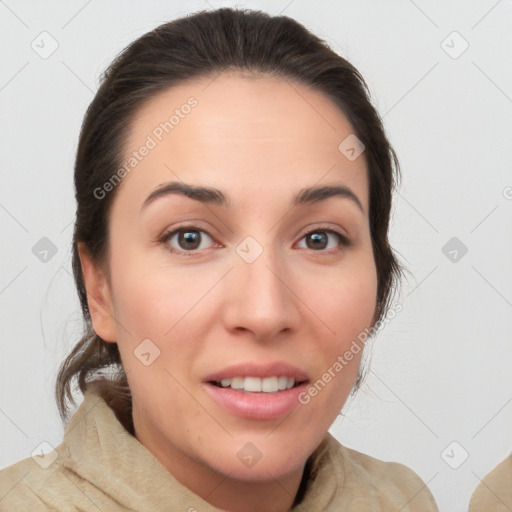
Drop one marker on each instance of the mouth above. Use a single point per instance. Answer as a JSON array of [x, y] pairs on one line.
[[270, 385], [257, 392]]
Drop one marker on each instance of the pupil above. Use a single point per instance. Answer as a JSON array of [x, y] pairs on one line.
[[189, 239], [317, 241]]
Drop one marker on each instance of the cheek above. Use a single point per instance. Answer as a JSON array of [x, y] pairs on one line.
[[153, 308], [347, 309], [143, 305], [345, 301], [150, 298], [345, 305], [167, 305]]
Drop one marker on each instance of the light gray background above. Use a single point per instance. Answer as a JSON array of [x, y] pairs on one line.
[[440, 370]]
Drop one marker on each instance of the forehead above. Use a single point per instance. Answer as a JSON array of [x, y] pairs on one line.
[[242, 134]]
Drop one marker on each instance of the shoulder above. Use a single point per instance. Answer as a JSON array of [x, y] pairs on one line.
[[495, 490], [43, 484], [33, 486], [390, 484], [15, 493], [54, 481]]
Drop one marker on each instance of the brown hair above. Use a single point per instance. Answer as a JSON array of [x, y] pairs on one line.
[[202, 45]]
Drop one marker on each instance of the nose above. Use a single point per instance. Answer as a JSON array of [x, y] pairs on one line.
[[260, 299]]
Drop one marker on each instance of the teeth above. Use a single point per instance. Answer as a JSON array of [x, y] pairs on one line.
[[269, 385], [257, 385], [237, 383], [252, 384], [282, 382]]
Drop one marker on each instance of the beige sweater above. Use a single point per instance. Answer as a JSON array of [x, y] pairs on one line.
[[101, 466], [495, 491]]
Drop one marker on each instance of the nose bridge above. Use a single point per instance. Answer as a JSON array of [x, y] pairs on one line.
[[263, 287], [260, 301]]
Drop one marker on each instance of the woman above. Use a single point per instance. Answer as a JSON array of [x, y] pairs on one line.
[[233, 187]]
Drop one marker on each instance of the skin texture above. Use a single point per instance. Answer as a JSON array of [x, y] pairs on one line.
[[260, 140]]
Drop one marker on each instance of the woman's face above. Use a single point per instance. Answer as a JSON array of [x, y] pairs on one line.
[[271, 282]]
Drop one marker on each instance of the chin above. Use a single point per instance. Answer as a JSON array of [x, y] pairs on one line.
[[267, 462]]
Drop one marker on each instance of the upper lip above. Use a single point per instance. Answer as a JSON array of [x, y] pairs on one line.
[[252, 369]]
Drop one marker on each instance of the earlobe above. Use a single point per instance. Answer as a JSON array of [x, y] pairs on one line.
[[98, 297]]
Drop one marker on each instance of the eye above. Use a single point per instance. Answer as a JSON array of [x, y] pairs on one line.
[[187, 239], [323, 239]]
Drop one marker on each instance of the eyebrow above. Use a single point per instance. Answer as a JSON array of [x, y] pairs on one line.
[[210, 195]]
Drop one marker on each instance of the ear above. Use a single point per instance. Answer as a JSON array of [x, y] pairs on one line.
[[98, 297]]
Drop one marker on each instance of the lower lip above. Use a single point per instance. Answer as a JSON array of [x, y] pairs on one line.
[[256, 406]]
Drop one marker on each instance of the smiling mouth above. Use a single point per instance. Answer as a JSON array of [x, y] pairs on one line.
[[258, 385]]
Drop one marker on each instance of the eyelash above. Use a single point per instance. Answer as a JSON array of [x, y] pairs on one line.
[[164, 239]]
